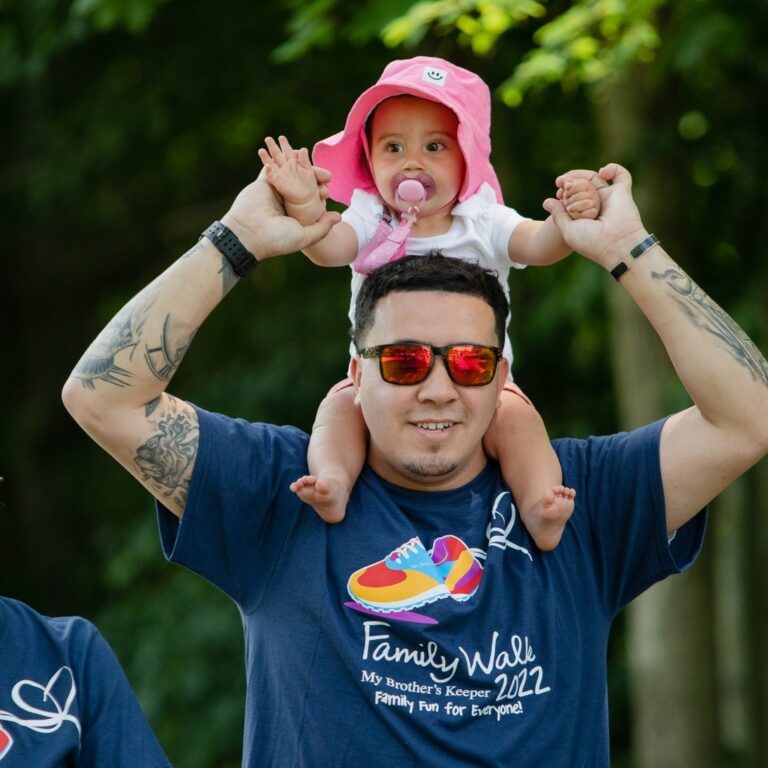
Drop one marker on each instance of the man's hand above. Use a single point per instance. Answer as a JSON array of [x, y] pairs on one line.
[[259, 219], [617, 226]]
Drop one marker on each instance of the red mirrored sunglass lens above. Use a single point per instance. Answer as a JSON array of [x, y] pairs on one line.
[[470, 365], [405, 364]]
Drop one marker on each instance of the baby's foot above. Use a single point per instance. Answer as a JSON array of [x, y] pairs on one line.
[[546, 519], [328, 496]]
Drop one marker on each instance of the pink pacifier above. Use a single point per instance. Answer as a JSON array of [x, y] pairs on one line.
[[411, 191]]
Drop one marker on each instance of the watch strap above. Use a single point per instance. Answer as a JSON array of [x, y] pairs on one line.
[[227, 242]]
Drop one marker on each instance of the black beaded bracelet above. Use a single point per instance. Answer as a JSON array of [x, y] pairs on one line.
[[638, 250], [227, 242]]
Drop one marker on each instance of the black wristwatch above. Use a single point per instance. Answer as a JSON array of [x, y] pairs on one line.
[[240, 258]]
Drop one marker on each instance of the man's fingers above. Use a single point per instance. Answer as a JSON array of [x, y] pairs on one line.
[[317, 231], [323, 175], [556, 210], [616, 174]]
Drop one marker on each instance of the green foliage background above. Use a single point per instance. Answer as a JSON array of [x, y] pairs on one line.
[[128, 125]]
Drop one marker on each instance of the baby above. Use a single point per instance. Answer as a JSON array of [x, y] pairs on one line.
[[413, 165]]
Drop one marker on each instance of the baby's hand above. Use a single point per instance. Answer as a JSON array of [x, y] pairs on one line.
[[291, 173], [579, 195]]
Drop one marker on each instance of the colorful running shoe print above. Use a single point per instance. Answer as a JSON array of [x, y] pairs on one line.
[[6, 742], [406, 578], [457, 566]]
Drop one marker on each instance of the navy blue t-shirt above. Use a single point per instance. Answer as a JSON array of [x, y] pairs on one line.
[[64, 699], [426, 628]]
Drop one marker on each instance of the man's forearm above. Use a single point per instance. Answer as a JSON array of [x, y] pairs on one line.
[[720, 367], [132, 360], [706, 447]]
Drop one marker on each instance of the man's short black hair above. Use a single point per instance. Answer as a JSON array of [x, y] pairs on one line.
[[431, 272]]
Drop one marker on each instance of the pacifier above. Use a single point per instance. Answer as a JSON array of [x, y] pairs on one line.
[[411, 191]]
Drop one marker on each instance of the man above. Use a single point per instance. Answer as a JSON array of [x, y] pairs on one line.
[[64, 699], [425, 629]]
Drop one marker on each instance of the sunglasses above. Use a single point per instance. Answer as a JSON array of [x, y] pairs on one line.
[[468, 365]]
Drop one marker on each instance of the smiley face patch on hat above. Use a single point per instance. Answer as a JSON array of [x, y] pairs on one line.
[[434, 76]]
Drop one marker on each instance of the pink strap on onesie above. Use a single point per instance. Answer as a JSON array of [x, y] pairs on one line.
[[389, 243]]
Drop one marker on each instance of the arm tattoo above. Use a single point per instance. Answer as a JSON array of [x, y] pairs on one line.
[[162, 360], [198, 246], [98, 363], [125, 331], [167, 458], [228, 277], [707, 315]]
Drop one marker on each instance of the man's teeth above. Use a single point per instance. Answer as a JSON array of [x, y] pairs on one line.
[[435, 426]]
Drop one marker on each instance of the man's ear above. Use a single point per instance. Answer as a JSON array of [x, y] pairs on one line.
[[356, 373], [503, 371]]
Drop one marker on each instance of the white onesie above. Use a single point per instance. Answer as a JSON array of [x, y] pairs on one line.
[[479, 233]]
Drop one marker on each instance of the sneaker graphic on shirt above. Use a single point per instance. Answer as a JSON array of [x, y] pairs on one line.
[[457, 566], [406, 578], [6, 742]]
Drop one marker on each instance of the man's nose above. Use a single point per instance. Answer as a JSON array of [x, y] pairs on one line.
[[438, 386]]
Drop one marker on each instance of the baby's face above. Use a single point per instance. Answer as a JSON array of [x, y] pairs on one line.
[[413, 138]]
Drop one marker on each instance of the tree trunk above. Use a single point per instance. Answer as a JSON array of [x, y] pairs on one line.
[[670, 643], [755, 541]]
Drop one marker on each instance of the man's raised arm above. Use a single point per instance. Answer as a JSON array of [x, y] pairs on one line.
[[117, 390], [707, 446]]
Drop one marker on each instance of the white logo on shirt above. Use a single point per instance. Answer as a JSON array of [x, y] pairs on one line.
[[500, 527], [48, 712]]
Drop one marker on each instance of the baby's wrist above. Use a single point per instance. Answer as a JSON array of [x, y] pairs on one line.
[[306, 213]]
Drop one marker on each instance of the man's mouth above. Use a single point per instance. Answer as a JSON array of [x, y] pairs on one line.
[[434, 426]]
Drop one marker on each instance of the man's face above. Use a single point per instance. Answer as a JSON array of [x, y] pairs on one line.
[[405, 446]]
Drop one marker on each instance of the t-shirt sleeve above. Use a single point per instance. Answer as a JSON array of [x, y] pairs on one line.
[[620, 516], [362, 215], [503, 222], [240, 509], [115, 731]]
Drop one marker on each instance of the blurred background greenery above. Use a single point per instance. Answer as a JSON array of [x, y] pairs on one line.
[[128, 125]]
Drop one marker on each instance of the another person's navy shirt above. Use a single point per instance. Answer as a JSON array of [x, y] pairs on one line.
[[64, 699]]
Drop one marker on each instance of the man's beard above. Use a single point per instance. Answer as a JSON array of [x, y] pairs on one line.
[[429, 466]]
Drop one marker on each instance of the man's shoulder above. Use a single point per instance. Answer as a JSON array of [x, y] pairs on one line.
[[640, 438], [222, 427], [231, 446], [599, 463], [23, 624]]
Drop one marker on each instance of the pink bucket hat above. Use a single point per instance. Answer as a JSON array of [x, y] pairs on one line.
[[344, 153]]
